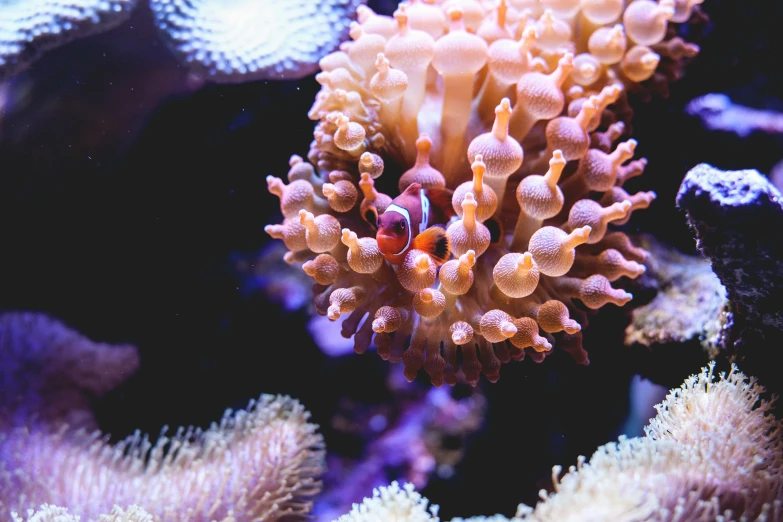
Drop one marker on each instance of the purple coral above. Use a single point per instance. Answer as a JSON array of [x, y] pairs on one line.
[[261, 463], [30, 27], [718, 112], [241, 41], [52, 373]]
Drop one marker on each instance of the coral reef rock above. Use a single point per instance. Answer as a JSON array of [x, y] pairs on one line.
[[734, 215]]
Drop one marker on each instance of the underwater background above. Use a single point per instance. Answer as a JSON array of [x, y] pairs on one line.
[[133, 202]]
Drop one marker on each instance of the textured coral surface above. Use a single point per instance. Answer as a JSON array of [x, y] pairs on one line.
[[259, 463], [729, 212], [714, 452], [30, 27], [518, 108], [690, 302], [248, 40]]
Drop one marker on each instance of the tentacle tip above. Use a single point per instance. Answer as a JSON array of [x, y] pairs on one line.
[[348, 236], [572, 327], [508, 329], [305, 216]]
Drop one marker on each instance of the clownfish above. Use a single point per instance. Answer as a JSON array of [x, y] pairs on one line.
[[406, 224]]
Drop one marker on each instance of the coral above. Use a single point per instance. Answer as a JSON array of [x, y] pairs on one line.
[[513, 105], [713, 452], [261, 463], [728, 212], [28, 28], [248, 40], [718, 112], [690, 301], [421, 433], [50, 373], [50, 513], [393, 503]]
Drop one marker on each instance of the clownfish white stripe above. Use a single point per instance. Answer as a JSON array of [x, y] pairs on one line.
[[425, 212], [404, 213]]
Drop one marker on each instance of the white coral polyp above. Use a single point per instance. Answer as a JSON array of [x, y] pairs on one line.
[[393, 504]]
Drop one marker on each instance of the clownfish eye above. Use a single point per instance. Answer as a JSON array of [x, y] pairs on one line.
[[401, 224]]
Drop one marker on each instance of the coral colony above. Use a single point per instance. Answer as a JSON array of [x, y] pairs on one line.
[[260, 463], [28, 28], [713, 453], [516, 108], [247, 40], [225, 42]]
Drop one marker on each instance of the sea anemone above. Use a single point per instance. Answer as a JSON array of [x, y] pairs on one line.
[[516, 107]]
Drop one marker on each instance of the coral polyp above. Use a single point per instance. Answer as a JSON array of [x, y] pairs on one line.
[[518, 108]]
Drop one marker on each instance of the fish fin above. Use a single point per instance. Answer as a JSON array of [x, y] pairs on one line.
[[412, 190], [435, 242], [441, 199]]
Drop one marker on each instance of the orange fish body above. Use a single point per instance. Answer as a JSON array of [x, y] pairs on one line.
[[414, 220]]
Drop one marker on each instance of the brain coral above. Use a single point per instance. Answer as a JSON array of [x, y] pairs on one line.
[[514, 105]]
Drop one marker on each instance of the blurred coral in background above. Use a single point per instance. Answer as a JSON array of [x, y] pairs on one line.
[[261, 463], [28, 28], [250, 40]]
